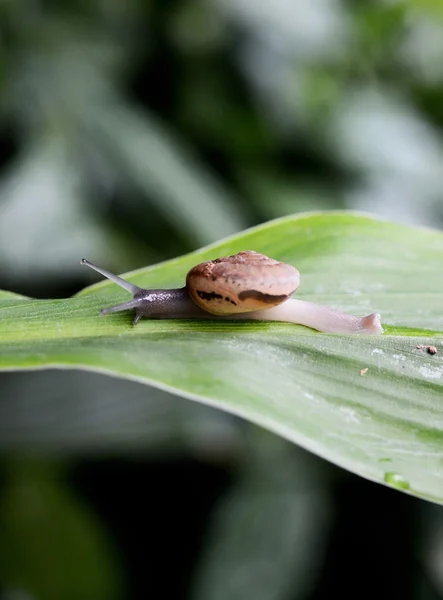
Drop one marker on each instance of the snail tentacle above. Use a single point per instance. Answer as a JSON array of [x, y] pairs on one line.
[[126, 285]]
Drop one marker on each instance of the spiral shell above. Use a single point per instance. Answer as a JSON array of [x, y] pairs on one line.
[[244, 282]]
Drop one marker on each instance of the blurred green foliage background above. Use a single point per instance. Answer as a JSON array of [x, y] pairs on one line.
[[132, 131]]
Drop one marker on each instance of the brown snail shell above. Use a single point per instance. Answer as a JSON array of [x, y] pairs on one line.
[[240, 283]]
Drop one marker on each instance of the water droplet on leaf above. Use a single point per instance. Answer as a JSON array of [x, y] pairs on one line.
[[396, 480]]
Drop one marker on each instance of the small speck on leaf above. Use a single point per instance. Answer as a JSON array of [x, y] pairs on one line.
[[364, 371], [429, 349]]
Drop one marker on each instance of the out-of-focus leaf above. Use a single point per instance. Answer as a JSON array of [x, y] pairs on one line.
[[268, 532], [152, 158], [65, 413], [42, 221], [51, 545], [310, 28], [289, 195]]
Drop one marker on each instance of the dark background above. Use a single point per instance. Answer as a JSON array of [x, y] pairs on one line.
[[134, 131]]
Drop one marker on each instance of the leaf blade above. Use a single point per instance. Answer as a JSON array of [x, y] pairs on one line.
[[309, 388]]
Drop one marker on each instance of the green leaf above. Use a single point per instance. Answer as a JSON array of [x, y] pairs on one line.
[[384, 424]]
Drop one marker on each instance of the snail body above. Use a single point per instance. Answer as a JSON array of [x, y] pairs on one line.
[[247, 285]]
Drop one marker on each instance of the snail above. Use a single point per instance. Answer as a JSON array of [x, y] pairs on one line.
[[247, 285]]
